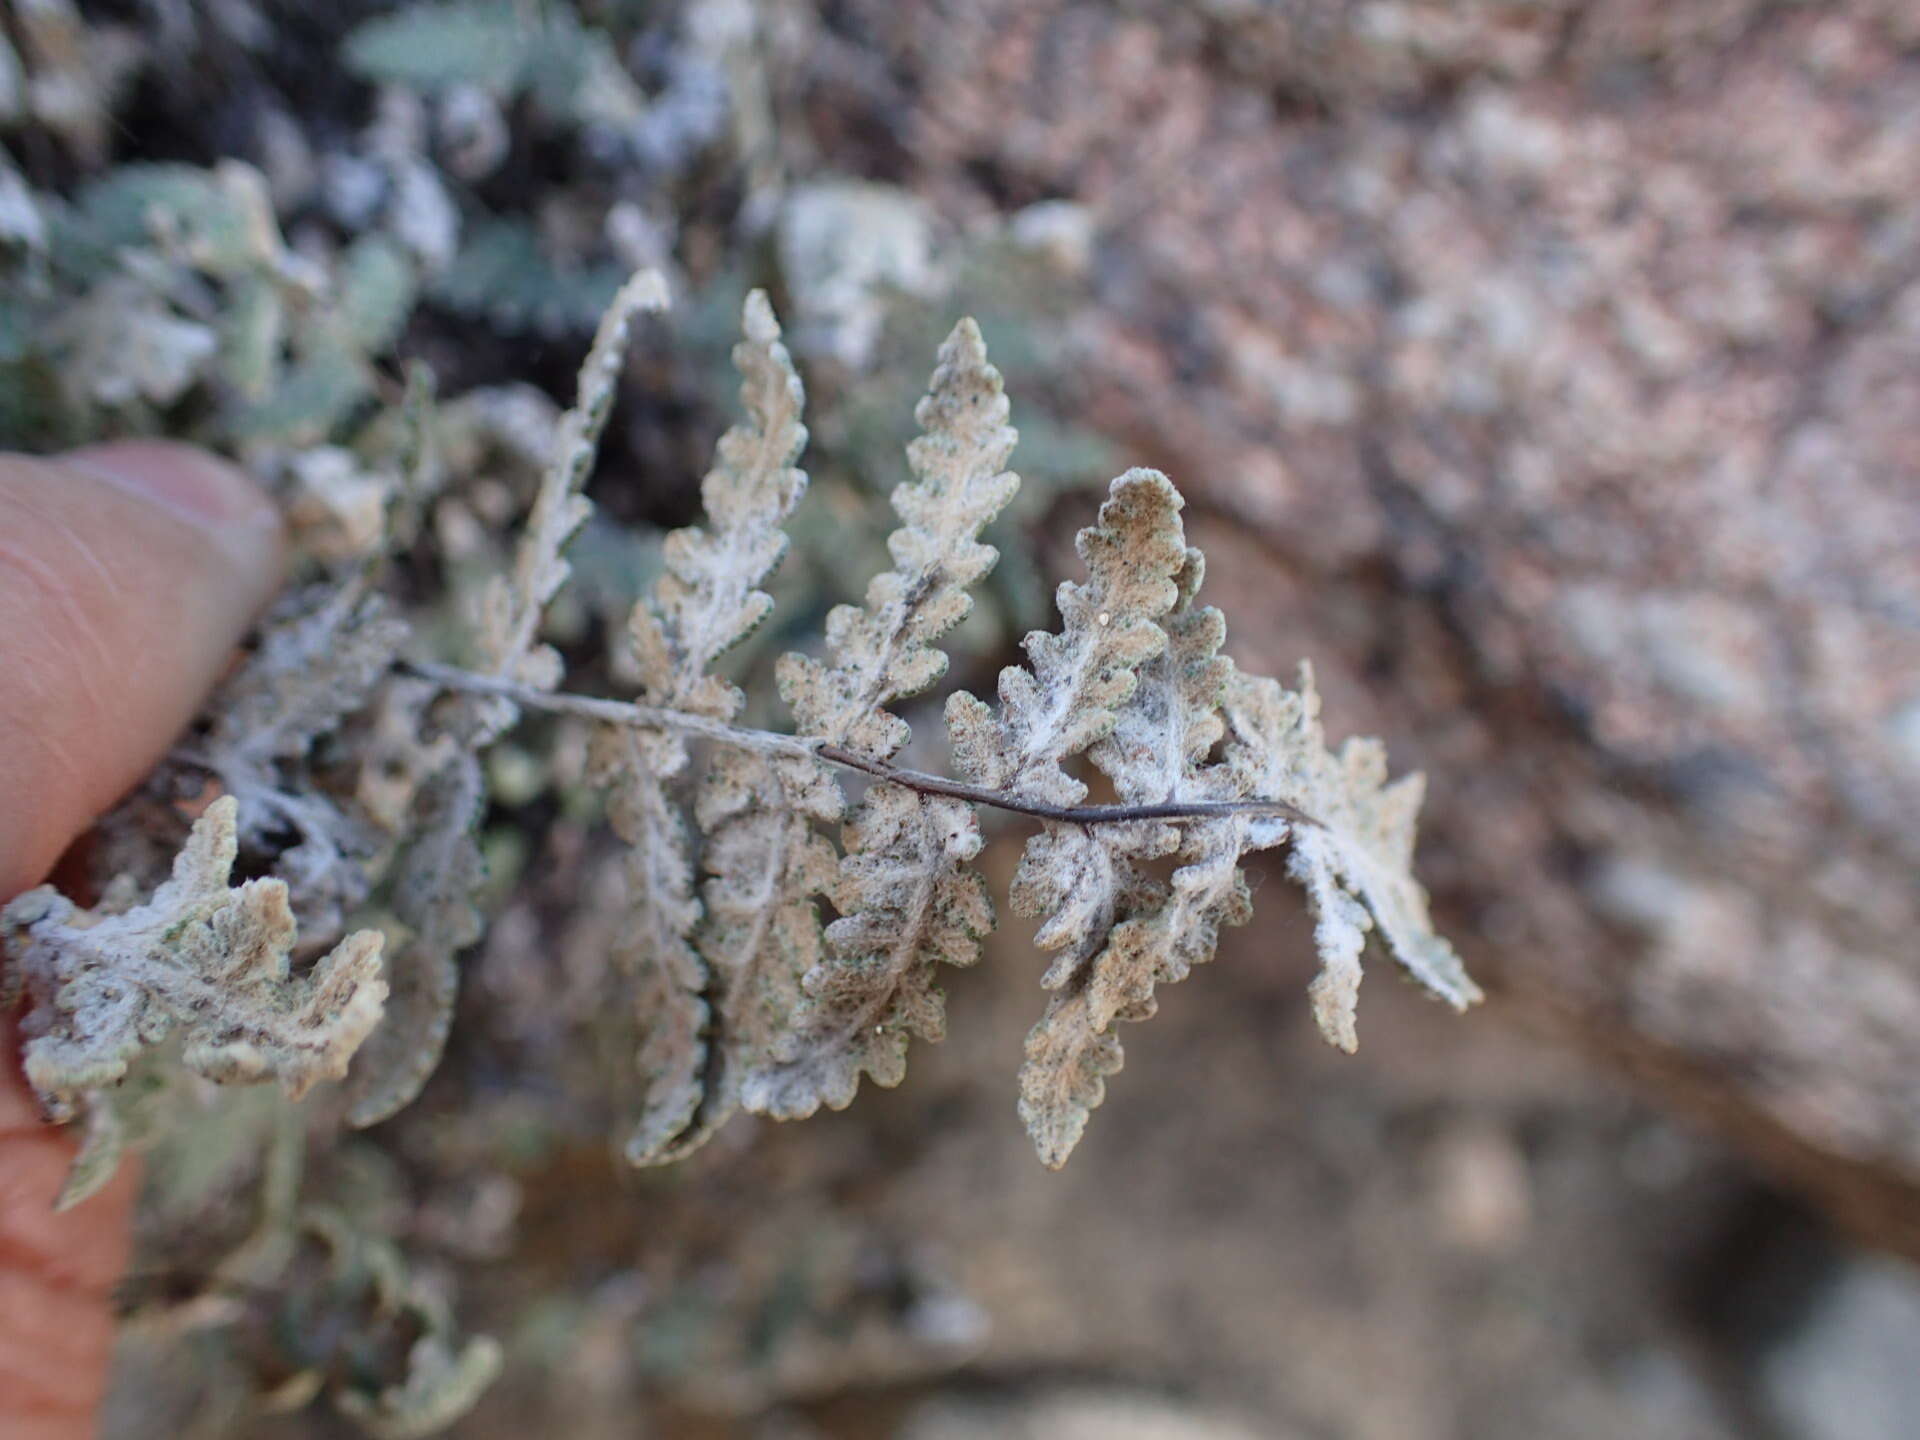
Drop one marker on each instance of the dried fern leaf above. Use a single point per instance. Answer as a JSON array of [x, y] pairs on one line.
[[199, 956], [405, 1325], [1081, 880], [321, 653], [1154, 753], [1357, 862], [103, 1143], [708, 600], [886, 650], [1069, 694], [920, 907], [1354, 859], [760, 933], [443, 1382], [1077, 877], [908, 902], [657, 946]]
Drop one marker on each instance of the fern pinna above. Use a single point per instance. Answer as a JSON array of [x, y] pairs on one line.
[[743, 999]]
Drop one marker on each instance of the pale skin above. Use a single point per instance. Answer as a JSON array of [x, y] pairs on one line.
[[128, 573]]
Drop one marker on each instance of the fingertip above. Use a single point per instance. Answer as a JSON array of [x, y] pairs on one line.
[[209, 493], [128, 572]]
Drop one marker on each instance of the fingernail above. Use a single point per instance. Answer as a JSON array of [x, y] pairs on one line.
[[201, 489]]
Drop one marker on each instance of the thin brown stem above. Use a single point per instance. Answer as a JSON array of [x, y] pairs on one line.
[[927, 784], [620, 712]]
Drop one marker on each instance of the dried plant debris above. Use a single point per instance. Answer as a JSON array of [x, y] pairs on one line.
[[201, 956]]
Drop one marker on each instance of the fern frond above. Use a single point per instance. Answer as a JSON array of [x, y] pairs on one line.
[[746, 1007], [745, 1002], [709, 600], [201, 956], [908, 901]]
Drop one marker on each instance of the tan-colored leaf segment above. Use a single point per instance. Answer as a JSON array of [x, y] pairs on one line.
[[1069, 694], [706, 1007], [201, 957], [1083, 881], [1119, 931], [1357, 862], [908, 899]]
